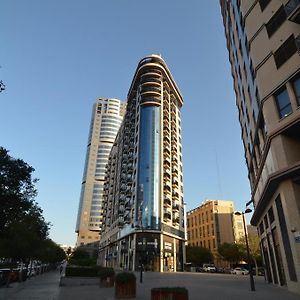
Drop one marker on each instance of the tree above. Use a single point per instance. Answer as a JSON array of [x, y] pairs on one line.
[[198, 255], [231, 252], [50, 252], [22, 225], [254, 249]]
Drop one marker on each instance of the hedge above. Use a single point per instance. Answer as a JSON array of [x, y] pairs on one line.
[[82, 271]]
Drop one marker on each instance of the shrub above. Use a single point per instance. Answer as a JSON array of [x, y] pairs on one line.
[[106, 272], [82, 271], [125, 277], [83, 261]]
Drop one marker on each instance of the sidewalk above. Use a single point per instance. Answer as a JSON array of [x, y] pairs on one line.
[[44, 286], [200, 286]]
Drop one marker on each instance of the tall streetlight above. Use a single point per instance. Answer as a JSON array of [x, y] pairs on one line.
[[248, 210]]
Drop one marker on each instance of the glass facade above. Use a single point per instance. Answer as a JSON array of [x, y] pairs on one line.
[[148, 170]]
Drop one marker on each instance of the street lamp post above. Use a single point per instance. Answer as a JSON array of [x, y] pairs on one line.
[[248, 210]]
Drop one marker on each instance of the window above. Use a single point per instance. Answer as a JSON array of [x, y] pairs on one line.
[[266, 222], [283, 103], [276, 21], [285, 51], [296, 85], [263, 4], [261, 228], [271, 215]]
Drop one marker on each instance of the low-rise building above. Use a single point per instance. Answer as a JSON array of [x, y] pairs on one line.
[[212, 224]]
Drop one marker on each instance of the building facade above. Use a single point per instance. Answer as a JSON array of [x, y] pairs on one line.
[[143, 212], [263, 43], [213, 223], [107, 116]]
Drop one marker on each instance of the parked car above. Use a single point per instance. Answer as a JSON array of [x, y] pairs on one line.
[[209, 268], [220, 270], [240, 271]]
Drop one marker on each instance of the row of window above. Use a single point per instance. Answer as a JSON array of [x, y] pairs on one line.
[[268, 219], [204, 245], [201, 218], [203, 231]]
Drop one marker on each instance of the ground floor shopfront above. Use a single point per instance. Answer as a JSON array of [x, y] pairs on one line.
[[278, 226], [153, 251]]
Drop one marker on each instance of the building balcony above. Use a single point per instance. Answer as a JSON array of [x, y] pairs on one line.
[[167, 175], [174, 161], [128, 206], [167, 202], [167, 163], [175, 195], [167, 158], [166, 130], [176, 221], [167, 215], [150, 80], [151, 88], [174, 139], [167, 189], [166, 138], [167, 150], [155, 72], [292, 9], [147, 82], [175, 207], [167, 171], [167, 154]]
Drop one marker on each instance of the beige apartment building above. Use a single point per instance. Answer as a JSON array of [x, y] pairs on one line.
[[263, 42], [212, 224]]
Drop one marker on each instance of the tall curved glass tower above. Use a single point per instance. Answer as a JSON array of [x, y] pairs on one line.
[[107, 116], [143, 208]]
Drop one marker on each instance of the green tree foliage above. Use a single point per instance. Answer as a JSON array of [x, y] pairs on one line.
[[231, 252], [22, 225], [81, 258], [51, 252], [254, 249], [198, 255]]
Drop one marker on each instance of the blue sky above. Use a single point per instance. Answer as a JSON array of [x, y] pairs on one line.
[[58, 56]]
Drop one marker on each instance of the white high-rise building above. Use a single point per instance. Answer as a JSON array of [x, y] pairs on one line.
[[106, 119]]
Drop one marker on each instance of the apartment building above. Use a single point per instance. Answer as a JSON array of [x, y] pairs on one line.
[[212, 224], [143, 210], [263, 42], [107, 116]]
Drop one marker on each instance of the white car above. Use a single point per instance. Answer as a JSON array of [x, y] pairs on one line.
[[209, 268], [240, 271]]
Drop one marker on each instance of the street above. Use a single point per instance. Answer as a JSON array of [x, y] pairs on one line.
[[199, 285]]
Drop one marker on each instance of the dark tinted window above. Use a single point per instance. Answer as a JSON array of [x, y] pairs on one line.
[[276, 21], [261, 227], [271, 215], [285, 51], [263, 4]]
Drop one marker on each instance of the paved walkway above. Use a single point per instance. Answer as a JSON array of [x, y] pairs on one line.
[[200, 286]]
